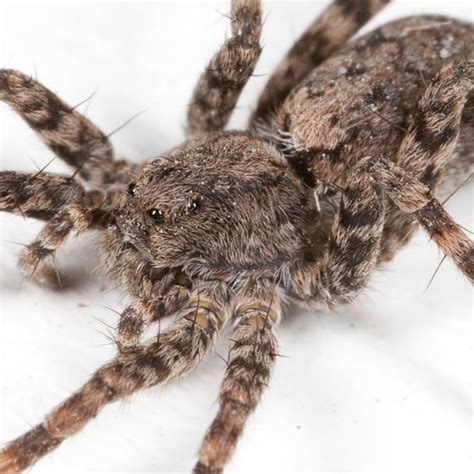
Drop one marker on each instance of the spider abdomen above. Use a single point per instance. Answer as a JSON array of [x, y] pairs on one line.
[[361, 101]]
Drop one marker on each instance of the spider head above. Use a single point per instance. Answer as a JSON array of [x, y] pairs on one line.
[[225, 202]]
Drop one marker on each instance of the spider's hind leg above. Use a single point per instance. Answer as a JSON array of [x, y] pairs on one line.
[[414, 198], [70, 135], [324, 37], [422, 157]]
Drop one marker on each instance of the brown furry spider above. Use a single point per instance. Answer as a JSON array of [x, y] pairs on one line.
[[343, 155]]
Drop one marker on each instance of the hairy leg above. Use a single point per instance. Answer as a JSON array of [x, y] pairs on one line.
[[219, 87], [39, 195], [177, 351], [421, 162], [426, 147], [251, 359], [352, 248], [324, 37], [76, 218], [432, 137], [155, 293], [398, 229], [411, 196], [70, 135], [154, 300]]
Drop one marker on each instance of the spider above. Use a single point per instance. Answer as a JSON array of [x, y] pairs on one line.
[[341, 161]]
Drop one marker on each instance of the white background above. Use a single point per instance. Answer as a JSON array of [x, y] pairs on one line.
[[383, 385]]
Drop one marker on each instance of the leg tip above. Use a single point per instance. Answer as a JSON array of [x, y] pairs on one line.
[[201, 468], [42, 274]]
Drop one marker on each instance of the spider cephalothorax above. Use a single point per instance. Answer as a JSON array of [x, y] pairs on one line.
[[343, 158], [210, 207]]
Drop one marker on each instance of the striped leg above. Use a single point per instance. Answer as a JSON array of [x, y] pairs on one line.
[[65, 131], [400, 226], [324, 37], [434, 133], [178, 350], [155, 293], [250, 362], [352, 249], [143, 311], [422, 158], [73, 218], [219, 87], [414, 197], [38, 195]]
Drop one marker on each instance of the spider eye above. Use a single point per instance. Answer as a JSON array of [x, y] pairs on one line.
[[131, 190], [156, 214], [192, 205]]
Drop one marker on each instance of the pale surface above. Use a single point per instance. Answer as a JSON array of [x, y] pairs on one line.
[[383, 385]]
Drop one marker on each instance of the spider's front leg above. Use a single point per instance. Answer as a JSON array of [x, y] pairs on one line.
[[155, 293], [218, 89], [154, 301], [39, 195], [52, 197], [71, 136], [76, 218], [178, 350], [352, 249], [251, 359]]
